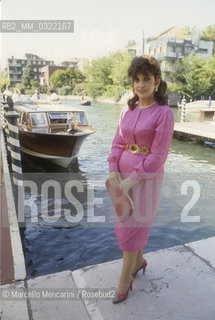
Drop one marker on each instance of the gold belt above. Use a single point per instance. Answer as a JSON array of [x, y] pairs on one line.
[[134, 148]]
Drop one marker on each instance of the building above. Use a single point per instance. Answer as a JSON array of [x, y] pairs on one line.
[[83, 64], [176, 43], [134, 50], [73, 63], [16, 66], [80, 63], [47, 71]]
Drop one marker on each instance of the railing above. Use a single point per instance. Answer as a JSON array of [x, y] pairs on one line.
[[171, 54], [14, 64], [16, 80], [15, 72]]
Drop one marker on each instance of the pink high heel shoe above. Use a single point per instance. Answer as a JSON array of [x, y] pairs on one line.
[[122, 297], [143, 266]]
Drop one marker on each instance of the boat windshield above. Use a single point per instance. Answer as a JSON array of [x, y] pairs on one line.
[[38, 119], [57, 117], [62, 117], [81, 118]]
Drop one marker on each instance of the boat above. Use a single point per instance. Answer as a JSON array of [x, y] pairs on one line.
[[86, 103], [54, 132]]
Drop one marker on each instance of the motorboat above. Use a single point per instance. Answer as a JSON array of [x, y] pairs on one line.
[[54, 132], [86, 103]]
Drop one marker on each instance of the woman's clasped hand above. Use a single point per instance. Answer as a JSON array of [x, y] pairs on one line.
[[116, 181]]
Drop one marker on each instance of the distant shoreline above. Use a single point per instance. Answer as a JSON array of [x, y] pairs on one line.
[[79, 98], [122, 101]]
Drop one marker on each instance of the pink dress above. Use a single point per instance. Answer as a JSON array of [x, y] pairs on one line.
[[153, 128]]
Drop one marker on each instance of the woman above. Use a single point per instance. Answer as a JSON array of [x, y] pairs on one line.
[[52, 95], [16, 94], [139, 151], [7, 92]]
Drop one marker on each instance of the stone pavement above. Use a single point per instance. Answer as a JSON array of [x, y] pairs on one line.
[[179, 284]]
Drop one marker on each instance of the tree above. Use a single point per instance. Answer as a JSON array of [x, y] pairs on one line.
[[209, 35], [4, 80], [194, 76], [27, 76], [190, 31], [131, 43], [179, 71], [78, 76], [66, 78], [108, 76], [59, 78], [120, 62], [119, 67], [98, 77]]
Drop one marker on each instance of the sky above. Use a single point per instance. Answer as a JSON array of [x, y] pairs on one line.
[[100, 26]]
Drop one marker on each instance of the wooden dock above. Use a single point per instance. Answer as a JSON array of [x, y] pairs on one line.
[[198, 132]]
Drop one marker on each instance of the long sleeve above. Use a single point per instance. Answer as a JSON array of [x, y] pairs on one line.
[[118, 146], [147, 168]]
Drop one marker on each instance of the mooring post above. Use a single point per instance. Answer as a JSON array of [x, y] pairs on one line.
[[209, 105], [12, 118], [4, 123], [183, 109]]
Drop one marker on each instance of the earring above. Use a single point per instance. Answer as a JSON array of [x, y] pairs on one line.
[[156, 89]]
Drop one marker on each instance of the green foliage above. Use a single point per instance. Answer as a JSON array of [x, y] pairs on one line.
[[43, 89], [80, 89], [66, 78], [65, 91], [209, 35], [190, 31], [94, 90], [98, 77], [119, 68], [78, 76], [179, 71], [29, 84], [4, 80], [21, 87], [194, 76], [34, 85], [131, 43], [115, 92], [59, 78], [172, 87], [107, 76], [27, 76]]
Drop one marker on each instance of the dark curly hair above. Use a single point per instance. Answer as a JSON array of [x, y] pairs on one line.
[[147, 65]]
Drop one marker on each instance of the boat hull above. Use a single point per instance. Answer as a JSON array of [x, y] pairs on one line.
[[59, 149], [86, 103], [63, 162]]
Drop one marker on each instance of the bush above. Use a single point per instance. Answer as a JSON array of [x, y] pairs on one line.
[[79, 89], [64, 91], [43, 89], [29, 91], [21, 87], [115, 92]]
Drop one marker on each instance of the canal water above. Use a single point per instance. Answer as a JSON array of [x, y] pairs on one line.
[[186, 210]]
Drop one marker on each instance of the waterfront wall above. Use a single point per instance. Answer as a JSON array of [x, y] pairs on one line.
[[18, 262]]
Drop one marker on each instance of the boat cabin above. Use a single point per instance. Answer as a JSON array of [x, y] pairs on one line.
[[51, 121]]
